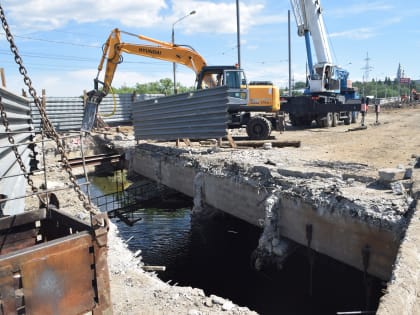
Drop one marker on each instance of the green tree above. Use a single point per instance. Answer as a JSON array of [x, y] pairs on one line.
[[300, 85], [163, 86]]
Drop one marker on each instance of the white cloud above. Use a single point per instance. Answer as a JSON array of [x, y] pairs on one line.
[[359, 33], [361, 7], [214, 17], [51, 14], [210, 17]]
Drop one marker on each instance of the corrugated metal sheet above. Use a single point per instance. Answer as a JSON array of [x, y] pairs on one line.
[[66, 113], [201, 114], [12, 182]]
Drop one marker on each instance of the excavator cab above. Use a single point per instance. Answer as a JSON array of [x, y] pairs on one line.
[[230, 76]]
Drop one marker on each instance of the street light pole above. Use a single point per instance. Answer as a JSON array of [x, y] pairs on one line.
[[173, 42]]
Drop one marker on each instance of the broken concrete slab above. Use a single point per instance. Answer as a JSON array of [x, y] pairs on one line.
[[388, 175]]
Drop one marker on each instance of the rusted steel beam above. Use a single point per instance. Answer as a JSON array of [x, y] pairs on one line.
[[9, 222], [95, 160]]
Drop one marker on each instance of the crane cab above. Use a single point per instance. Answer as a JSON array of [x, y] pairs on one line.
[[326, 78]]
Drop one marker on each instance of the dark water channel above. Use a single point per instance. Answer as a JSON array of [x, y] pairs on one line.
[[215, 257]]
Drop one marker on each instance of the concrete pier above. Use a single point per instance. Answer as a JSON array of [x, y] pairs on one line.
[[338, 209]]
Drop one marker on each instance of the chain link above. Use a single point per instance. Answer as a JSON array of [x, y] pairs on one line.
[[49, 128]]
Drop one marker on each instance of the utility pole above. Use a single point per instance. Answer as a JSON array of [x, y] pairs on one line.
[[399, 81], [290, 54], [238, 33]]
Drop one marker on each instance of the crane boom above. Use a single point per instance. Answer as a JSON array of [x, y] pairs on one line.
[[325, 77], [308, 15]]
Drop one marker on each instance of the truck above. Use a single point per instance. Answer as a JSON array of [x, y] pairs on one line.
[[329, 96], [259, 103]]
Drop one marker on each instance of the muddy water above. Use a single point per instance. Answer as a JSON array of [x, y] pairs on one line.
[[215, 257]]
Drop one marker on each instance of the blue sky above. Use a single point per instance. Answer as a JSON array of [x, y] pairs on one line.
[[60, 42]]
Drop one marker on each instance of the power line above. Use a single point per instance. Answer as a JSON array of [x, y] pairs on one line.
[[54, 41], [73, 58]]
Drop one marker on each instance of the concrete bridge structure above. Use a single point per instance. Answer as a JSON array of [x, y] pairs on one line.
[[337, 209]]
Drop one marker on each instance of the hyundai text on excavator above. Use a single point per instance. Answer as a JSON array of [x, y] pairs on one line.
[[329, 96], [259, 104]]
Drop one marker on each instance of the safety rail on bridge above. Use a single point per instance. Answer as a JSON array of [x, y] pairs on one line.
[[124, 204]]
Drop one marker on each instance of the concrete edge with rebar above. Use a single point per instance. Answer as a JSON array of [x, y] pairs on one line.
[[403, 291]]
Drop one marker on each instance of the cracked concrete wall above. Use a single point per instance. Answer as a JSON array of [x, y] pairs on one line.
[[403, 291], [272, 248]]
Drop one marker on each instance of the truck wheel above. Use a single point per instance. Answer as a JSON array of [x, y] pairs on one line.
[[328, 120], [325, 121], [258, 128], [293, 120], [334, 122], [347, 120], [354, 116]]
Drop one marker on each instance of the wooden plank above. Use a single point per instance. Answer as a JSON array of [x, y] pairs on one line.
[[231, 141]]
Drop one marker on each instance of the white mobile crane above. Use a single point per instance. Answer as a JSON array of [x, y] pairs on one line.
[[329, 96]]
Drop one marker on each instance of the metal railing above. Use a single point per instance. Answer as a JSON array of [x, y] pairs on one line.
[[123, 204]]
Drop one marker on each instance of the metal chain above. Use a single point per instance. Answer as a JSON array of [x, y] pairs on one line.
[[49, 128]]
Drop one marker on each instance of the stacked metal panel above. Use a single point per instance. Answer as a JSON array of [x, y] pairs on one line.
[[12, 180], [117, 109], [66, 113], [201, 114]]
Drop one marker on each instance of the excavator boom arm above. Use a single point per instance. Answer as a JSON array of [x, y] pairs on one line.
[[113, 49]]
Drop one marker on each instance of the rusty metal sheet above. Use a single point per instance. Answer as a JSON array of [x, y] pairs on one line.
[[59, 280], [10, 242], [65, 274], [7, 291], [7, 223]]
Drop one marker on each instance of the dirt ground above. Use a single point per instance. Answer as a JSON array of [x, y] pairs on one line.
[[390, 143]]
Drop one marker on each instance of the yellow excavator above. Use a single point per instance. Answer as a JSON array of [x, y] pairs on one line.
[[262, 98]]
